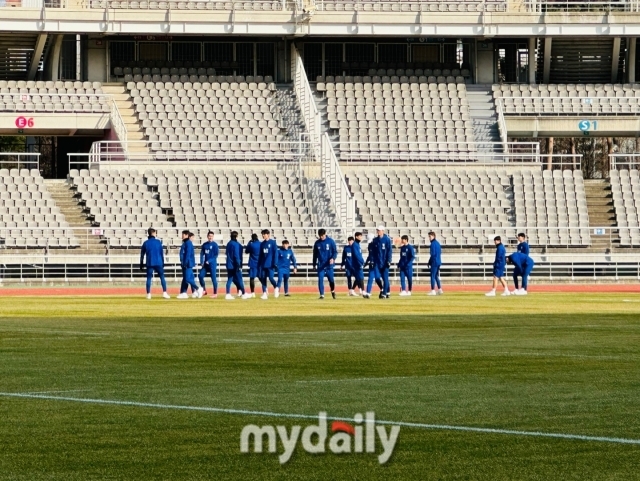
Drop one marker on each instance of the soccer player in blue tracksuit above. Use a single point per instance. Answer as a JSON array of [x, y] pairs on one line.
[[405, 266], [233, 251], [358, 263], [286, 259], [253, 251], [187, 263], [267, 263], [499, 269], [435, 261], [523, 245], [325, 254], [522, 266], [209, 262], [374, 273], [381, 256], [152, 251], [348, 265]]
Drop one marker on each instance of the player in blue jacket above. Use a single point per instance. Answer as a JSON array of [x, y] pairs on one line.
[[358, 263], [253, 251], [435, 261], [374, 274], [325, 254], [499, 269], [522, 267], [152, 257], [267, 263], [233, 251], [347, 264], [405, 266], [523, 245], [187, 263], [209, 262], [381, 257], [286, 259]]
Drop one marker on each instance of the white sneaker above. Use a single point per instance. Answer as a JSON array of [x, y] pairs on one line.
[[403, 293], [183, 295], [491, 293], [166, 295], [253, 294], [506, 293], [514, 292], [351, 293], [194, 295], [248, 296], [408, 293], [148, 296], [357, 294], [366, 295], [432, 293], [264, 296], [200, 292], [229, 297], [276, 293], [440, 292], [520, 292], [240, 294]]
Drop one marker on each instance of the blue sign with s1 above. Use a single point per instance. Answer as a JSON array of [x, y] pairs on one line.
[[588, 125]]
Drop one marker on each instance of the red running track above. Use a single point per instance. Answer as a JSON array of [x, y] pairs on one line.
[[139, 291]]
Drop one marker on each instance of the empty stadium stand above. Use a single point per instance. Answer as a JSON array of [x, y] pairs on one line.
[[125, 203], [380, 117], [28, 215], [568, 99], [116, 200], [423, 6], [555, 200], [215, 118], [40, 96], [470, 206], [625, 188]]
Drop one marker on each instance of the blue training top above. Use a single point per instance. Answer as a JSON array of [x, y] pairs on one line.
[[358, 260], [268, 258], [323, 252], [435, 254], [187, 255], [209, 253], [523, 248], [407, 256], [233, 251], [501, 257], [380, 252], [152, 250], [286, 258], [253, 249]]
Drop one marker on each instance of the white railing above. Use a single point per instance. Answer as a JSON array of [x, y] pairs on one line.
[[20, 160], [624, 161], [413, 5], [39, 4], [502, 125], [102, 239], [305, 98], [550, 6], [226, 5], [206, 151], [392, 152], [341, 197], [563, 106], [55, 103], [119, 126]]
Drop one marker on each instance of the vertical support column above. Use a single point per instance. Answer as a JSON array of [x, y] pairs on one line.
[[615, 60], [37, 54], [546, 73], [533, 64], [54, 57], [631, 66]]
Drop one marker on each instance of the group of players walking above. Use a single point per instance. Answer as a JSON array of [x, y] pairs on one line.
[[271, 264]]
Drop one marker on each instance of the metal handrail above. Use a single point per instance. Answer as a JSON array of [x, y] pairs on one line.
[[337, 185], [119, 126], [540, 102], [305, 97], [551, 6]]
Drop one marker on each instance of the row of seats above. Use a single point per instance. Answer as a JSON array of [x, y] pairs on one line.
[[625, 188], [554, 106], [186, 5], [26, 208], [50, 86], [376, 121], [321, 82], [567, 90], [423, 6], [64, 103], [378, 74]]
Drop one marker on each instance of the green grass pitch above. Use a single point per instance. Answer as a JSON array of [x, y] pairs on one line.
[[549, 363]]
